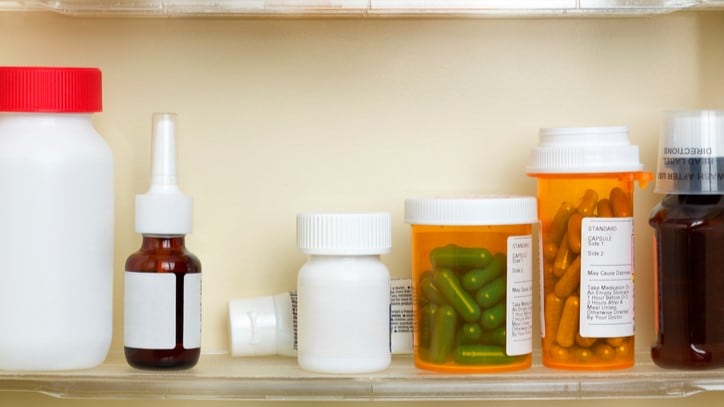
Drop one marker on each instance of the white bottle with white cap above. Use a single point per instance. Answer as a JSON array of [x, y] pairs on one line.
[[343, 292]]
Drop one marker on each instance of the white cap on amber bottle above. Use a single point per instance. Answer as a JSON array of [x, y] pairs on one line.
[[164, 209]]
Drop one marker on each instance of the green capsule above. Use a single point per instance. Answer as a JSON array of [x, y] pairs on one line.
[[491, 293], [448, 284], [429, 290], [494, 337], [493, 317], [457, 257], [469, 333], [443, 334], [426, 319], [474, 279], [482, 355]]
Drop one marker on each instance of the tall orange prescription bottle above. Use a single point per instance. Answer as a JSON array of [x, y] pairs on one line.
[[586, 179], [472, 282]]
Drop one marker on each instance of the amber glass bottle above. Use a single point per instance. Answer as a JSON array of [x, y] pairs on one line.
[[162, 292], [689, 235], [689, 232], [168, 255]]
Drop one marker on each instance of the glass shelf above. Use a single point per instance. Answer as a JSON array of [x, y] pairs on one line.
[[502, 8], [278, 378]]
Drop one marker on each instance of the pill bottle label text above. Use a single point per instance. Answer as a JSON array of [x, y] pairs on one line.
[[519, 323], [607, 279]]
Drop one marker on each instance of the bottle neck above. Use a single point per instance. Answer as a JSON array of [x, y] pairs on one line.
[[695, 199], [38, 121], [66, 116], [344, 257], [151, 241]]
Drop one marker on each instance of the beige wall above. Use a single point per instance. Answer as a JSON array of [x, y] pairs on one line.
[[281, 116]]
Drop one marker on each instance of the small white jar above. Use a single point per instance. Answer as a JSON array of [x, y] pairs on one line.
[[343, 292]]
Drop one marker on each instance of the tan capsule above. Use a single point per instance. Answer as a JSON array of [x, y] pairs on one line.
[[584, 342], [604, 209], [550, 250], [625, 350], [567, 328], [563, 257], [620, 203], [615, 341], [582, 354], [574, 232], [588, 203], [604, 351], [568, 283], [560, 222], [552, 313], [549, 279], [558, 353]]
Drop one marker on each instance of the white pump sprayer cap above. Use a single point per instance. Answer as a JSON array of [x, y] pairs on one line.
[[164, 209]]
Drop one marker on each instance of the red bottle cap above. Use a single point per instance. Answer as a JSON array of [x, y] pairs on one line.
[[50, 89]]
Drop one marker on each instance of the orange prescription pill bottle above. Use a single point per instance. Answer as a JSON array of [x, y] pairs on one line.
[[472, 282], [586, 179]]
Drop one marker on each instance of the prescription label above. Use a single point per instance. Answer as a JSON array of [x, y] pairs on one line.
[[149, 310], [401, 315], [607, 278], [192, 311], [519, 296]]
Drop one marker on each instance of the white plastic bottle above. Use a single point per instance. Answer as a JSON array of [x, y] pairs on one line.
[[56, 221], [267, 325], [343, 292]]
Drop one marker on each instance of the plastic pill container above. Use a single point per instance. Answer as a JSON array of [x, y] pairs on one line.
[[472, 282], [689, 235], [56, 220], [586, 178], [343, 292]]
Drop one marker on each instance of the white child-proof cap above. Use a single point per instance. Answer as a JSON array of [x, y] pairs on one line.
[[472, 211], [252, 326], [571, 150], [344, 233], [691, 153]]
